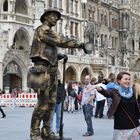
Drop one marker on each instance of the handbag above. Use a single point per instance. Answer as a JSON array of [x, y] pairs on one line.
[[131, 119], [79, 97]]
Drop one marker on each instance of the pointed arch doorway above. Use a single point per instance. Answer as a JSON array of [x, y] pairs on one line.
[[12, 77], [70, 74]]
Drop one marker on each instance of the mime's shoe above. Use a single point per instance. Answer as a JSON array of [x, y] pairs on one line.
[[4, 116]]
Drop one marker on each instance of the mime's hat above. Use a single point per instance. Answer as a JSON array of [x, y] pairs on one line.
[[48, 11]]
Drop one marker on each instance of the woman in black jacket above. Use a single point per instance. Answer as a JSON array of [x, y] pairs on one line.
[[124, 108]]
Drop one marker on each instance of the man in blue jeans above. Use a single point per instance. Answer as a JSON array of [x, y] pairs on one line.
[[57, 108], [87, 105]]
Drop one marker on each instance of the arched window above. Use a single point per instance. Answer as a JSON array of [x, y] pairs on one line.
[[76, 7], [93, 13], [71, 28], [50, 3], [133, 46], [105, 38], [102, 17], [76, 29], [111, 60], [102, 41], [71, 6], [113, 22], [21, 8], [89, 13], [60, 4], [67, 6], [139, 43], [5, 5], [105, 18], [55, 4], [116, 23]]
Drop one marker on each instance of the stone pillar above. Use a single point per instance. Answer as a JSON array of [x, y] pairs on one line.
[[24, 82], [1, 78], [79, 75]]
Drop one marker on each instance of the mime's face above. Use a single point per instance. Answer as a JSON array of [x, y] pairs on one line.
[[51, 19]]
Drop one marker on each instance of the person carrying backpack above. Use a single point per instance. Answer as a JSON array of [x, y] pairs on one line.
[[57, 108]]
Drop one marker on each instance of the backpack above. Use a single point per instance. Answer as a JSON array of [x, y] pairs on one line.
[[60, 92], [73, 93]]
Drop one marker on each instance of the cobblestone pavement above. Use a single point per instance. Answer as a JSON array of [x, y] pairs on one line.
[[16, 125]]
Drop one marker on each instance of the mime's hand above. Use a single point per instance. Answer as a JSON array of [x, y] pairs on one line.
[[72, 43]]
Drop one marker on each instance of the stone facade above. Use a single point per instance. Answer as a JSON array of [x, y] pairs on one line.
[[112, 26]]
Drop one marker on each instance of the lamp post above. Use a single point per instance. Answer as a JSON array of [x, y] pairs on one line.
[[65, 58]]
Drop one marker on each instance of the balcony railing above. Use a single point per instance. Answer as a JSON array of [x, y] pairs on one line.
[[87, 60], [16, 17], [23, 18]]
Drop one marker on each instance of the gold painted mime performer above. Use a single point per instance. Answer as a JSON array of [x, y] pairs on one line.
[[43, 76]]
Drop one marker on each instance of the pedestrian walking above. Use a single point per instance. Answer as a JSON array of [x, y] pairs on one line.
[[72, 93], [1, 110], [79, 96], [14, 95], [111, 82], [57, 107], [87, 105], [100, 100], [76, 100]]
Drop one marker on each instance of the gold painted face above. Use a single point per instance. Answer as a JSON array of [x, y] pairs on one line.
[[51, 19]]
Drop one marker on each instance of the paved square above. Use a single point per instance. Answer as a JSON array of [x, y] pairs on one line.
[[16, 126]]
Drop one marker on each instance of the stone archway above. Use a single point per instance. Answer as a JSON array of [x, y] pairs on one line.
[[70, 74], [137, 64], [21, 61], [19, 54], [21, 40], [84, 73], [100, 74], [12, 57], [12, 77]]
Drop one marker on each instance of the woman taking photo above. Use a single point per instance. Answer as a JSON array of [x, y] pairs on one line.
[[124, 108]]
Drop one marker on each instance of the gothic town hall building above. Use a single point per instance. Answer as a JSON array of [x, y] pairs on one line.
[[113, 26]]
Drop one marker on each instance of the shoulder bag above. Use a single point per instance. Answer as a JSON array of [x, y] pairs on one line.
[[131, 118]]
